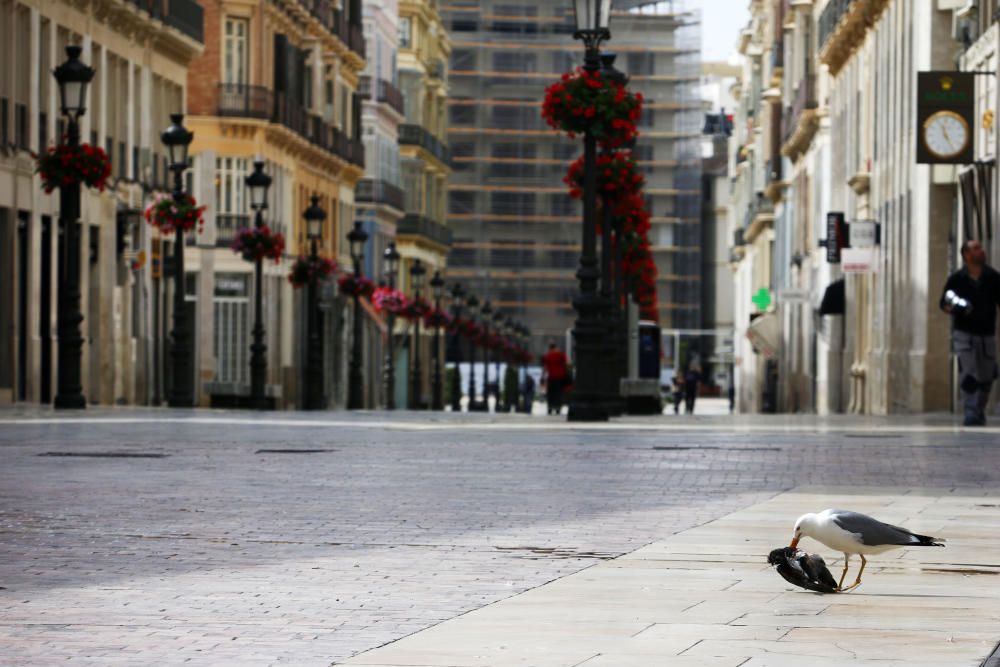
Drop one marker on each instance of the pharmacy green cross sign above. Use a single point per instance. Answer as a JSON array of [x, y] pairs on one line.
[[762, 299]]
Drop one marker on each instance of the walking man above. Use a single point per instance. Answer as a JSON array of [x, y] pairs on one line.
[[555, 369], [971, 297]]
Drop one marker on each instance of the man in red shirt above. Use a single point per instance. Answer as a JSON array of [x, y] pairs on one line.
[[555, 372]]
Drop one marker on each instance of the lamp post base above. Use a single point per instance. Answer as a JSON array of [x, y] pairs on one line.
[[70, 402]]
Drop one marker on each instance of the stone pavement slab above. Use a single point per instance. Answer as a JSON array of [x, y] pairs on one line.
[[707, 597]]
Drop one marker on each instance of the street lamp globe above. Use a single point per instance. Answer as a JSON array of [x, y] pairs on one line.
[[177, 138], [417, 273], [437, 286], [357, 238], [258, 182], [391, 259], [314, 216], [592, 16], [73, 77]]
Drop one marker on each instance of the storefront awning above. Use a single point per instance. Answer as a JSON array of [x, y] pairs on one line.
[[833, 299]]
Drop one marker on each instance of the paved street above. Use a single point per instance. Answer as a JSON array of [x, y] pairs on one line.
[[162, 537]]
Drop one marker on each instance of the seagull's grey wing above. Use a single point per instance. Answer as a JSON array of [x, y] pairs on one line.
[[873, 532]]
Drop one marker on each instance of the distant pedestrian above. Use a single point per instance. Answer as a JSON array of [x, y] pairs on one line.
[[555, 372], [677, 386], [971, 297], [732, 397], [691, 380], [528, 393]]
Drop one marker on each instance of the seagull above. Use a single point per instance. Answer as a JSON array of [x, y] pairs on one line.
[[856, 533]]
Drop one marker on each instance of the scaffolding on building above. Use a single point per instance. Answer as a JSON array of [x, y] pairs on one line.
[[516, 232]]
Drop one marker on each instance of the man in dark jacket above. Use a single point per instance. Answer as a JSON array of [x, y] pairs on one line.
[[971, 297]]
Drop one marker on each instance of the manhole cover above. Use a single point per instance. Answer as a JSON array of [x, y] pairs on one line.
[[108, 455], [294, 451]]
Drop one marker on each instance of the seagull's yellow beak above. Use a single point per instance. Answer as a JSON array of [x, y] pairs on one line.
[[795, 541]]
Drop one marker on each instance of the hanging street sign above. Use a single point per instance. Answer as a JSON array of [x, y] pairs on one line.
[[762, 299], [946, 109], [864, 234]]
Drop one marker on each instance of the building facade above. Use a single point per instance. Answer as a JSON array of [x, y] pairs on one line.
[[424, 49], [141, 52], [826, 125], [517, 232], [277, 82]]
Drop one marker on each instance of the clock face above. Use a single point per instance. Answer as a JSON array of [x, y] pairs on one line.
[[946, 134]]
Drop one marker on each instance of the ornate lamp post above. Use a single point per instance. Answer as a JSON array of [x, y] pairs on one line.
[[486, 311], [357, 238], [457, 300], [72, 77], [589, 331], [437, 390], [472, 303], [177, 139], [257, 183], [417, 273], [390, 259], [314, 400]]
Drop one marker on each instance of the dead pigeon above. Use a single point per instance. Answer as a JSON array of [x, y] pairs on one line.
[[805, 570]]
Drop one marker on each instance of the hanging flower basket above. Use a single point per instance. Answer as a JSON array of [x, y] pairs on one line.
[[351, 285], [618, 176], [390, 301], [437, 319], [168, 214], [588, 101], [310, 271], [468, 328], [415, 309], [633, 216], [64, 165], [255, 243]]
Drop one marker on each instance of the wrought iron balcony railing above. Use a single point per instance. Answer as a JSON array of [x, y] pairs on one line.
[[377, 191], [260, 102], [419, 225], [226, 226], [805, 98], [185, 15], [830, 19], [416, 135], [381, 90]]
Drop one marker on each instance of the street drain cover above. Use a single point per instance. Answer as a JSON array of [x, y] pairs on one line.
[[294, 451], [108, 455]]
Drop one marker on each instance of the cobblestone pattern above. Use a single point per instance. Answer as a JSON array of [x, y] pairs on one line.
[[219, 554]]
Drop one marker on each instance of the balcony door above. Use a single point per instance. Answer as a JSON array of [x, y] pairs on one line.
[[236, 56]]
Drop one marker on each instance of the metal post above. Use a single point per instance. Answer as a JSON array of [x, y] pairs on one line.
[[69, 393], [181, 390], [473, 404], [354, 378], [258, 349], [415, 374], [315, 399], [437, 395], [586, 400], [486, 367]]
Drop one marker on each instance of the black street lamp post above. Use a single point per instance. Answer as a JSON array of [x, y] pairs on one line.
[[391, 265], [587, 402], [437, 390], [472, 303], [258, 183], [417, 273], [315, 400], [357, 238], [72, 77], [457, 300], [486, 311], [177, 139]]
